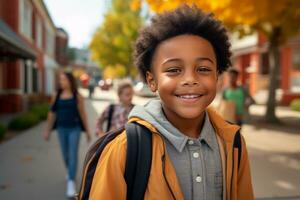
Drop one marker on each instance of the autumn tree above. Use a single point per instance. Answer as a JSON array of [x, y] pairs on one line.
[[112, 43], [278, 21]]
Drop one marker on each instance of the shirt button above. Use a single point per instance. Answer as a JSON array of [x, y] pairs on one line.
[[191, 142], [196, 155], [198, 179]]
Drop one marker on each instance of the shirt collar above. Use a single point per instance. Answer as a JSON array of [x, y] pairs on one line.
[[179, 140]]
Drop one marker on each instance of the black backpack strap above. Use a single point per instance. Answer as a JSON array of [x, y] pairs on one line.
[[138, 161], [54, 105], [238, 144], [109, 118], [83, 128], [91, 161]]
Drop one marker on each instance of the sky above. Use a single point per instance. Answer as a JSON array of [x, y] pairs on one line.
[[79, 18]]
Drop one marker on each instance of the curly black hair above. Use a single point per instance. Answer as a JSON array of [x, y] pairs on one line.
[[183, 20]]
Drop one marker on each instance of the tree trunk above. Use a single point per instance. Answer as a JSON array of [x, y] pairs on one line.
[[274, 60]]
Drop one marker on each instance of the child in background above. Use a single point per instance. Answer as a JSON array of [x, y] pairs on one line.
[[239, 95], [116, 115]]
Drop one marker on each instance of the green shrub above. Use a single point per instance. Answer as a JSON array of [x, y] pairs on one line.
[[23, 121], [40, 110], [295, 104], [2, 131]]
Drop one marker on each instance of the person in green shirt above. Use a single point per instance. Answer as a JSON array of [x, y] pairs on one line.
[[239, 95]]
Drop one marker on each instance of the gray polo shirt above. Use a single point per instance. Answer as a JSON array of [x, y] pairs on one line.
[[197, 162]]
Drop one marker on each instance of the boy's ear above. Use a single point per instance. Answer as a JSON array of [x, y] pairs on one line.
[[151, 81]]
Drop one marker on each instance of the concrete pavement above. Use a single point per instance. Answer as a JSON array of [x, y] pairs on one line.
[[31, 168]]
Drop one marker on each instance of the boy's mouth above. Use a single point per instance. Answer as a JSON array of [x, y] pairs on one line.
[[189, 96]]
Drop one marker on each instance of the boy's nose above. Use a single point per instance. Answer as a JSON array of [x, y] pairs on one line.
[[190, 80], [190, 83]]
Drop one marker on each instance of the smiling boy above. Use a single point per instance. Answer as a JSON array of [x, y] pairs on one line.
[[180, 54]]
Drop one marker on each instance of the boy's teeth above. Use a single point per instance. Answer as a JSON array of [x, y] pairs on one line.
[[189, 96]]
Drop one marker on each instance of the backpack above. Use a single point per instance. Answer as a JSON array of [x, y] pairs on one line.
[[111, 110], [110, 114], [138, 160]]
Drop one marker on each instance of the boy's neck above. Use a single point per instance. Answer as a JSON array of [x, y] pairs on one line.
[[188, 127]]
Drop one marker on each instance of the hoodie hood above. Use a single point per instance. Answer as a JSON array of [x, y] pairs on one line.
[[152, 114]]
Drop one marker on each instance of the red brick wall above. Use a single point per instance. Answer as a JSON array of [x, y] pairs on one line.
[[253, 76], [10, 103], [285, 67], [11, 81], [60, 50], [7, 8]]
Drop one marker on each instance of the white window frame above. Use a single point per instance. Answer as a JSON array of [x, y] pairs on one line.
[[26, 18], [39, 32], [50, 39]]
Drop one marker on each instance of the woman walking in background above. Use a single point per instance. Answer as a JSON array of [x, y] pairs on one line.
[[68, 116]]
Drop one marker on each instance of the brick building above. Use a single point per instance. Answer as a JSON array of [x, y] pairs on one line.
[[250, 56], [27, 56], [61, 53]]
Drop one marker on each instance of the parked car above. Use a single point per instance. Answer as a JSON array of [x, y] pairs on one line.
[[142, 89]]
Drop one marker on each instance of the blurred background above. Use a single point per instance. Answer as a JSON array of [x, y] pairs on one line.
[[93, 39]]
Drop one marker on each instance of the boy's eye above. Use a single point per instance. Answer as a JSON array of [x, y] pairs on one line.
[[173, 70], [203, 69]]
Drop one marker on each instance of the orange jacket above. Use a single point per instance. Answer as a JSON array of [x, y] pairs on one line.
[[109, 183]]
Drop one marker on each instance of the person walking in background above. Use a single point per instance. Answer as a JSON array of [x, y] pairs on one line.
[[92, 84], [68, 116], [115, 115], [239, 95]]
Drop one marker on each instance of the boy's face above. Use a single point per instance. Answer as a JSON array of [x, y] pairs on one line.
[[184, 72], [126, 96]]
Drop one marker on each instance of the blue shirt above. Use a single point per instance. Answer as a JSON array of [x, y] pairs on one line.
[[67, 114]]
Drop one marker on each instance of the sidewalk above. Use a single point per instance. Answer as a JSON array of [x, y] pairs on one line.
[[274, 152], [32, 168]]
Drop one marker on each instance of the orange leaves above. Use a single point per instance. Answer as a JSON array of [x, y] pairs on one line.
[[259, 15]]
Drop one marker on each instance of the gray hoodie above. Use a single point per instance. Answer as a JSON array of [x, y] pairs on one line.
[[197, 162]]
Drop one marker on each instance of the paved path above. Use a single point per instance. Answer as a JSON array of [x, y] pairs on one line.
[[31, 168]]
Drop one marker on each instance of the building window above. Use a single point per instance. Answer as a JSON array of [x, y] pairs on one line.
[[50, 40], [26, 18], [296, 58], [39, 33], [26, 89], [35, 80]]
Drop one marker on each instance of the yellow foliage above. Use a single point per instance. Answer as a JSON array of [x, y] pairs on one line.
[[113, 72], [259, 15], [135, 5], [111, 44]]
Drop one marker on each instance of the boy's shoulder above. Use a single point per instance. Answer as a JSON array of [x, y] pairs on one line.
[[116, 148]]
